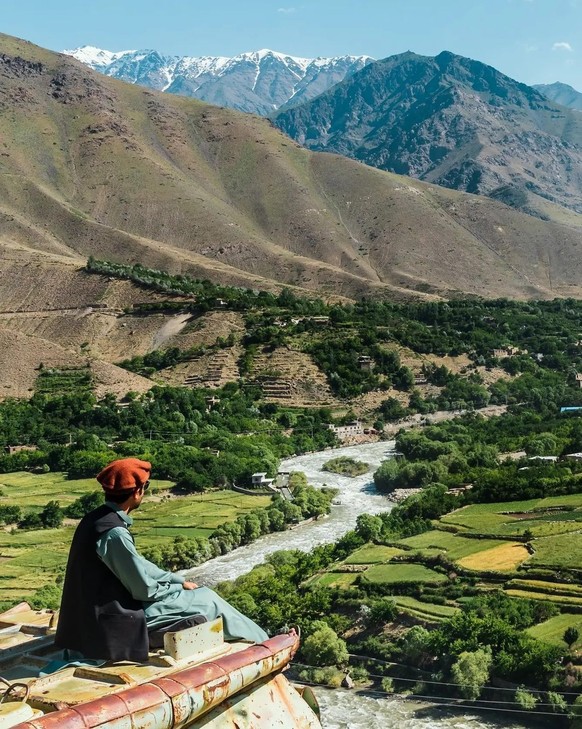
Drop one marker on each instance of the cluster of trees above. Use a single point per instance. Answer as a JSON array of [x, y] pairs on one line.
[[547, 334], [171, 427], [51, 516], [204, 293], [339, 357], [182, 553], [463, 452], [345, 466]]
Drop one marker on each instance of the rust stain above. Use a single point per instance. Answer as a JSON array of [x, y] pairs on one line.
[[181, 697]]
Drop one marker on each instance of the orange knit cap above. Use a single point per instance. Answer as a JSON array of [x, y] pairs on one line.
[[124, 474]]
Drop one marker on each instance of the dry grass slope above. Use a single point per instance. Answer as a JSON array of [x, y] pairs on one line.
[[95, 166]]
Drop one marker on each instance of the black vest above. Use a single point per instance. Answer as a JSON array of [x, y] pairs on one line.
[[98, 616]]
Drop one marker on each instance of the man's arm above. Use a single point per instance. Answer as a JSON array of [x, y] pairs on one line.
[[160, 575], [117, 550]]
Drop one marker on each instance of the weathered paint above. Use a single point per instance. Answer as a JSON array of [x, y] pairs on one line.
[[204, 639], [179, 699], [271, 703]]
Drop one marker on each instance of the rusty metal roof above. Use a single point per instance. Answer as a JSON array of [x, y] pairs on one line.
[[227, 685]]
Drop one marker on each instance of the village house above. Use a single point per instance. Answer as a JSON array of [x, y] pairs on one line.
[[345, 431], [260, 480], [11, 450], [365, 363], [509, 351]]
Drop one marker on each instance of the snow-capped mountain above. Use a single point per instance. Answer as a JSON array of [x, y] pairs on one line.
[[258, 82]]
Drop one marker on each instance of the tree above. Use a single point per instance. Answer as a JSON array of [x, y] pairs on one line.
[[369, 527], [471, 671], [51, 516], [324, 648], [84, 504], [570, 636]]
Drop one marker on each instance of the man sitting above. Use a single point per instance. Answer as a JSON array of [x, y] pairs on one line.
[[112, 595]]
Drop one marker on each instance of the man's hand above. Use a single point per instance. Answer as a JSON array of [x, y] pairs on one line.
[[189, 585]]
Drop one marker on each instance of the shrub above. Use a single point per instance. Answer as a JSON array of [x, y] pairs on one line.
[[324, 648]]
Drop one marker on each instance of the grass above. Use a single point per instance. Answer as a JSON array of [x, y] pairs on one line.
[[31, 559], [406, 572], [531, 595], [540, 527], [372, 554], [429, 609], [63, 381], [559, 552], [335, 579], [552, 630], [455, 547], [34, 490], [551, 588], [503, 557]]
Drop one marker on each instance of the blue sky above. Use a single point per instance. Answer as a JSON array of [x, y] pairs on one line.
[[531, 40]]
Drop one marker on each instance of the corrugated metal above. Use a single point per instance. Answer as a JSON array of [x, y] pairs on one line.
[[179, 699]]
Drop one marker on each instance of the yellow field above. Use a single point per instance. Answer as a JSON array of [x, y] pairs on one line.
[[501, 558]]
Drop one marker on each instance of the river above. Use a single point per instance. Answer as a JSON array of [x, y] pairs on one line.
[[357, 495], [345, 709]]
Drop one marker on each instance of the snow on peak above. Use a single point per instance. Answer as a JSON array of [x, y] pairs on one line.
[[258, 56], [96, 56]]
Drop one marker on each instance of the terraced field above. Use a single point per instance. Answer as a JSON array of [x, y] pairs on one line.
[[487, 540], [372, 554], [387, 574], [552, 630], [455, 547], [31, 559]]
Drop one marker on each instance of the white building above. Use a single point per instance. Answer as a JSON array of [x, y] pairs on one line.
[[260, 480]]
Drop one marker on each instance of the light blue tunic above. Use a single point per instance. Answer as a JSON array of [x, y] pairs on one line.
[[162, 593]]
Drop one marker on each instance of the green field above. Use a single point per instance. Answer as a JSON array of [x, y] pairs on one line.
[[335, 579], [455, 547], [196, 515], [424, 609], [404, 572], [31, 559], [372, 554], [34, 490], [563, 551], [545, 597], [551, 588], [552, 630]]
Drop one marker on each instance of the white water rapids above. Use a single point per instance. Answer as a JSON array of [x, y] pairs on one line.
[[357, 495], [346, 709]]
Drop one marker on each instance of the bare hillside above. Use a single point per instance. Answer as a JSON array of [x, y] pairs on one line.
[[91, 165], [23, 356]]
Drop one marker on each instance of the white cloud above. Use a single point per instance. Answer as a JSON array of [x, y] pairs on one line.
[[286, 11], [562, 46]]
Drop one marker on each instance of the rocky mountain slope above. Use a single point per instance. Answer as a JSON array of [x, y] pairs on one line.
[[93, 166], [561, 94], [258, 82], [451, 121]]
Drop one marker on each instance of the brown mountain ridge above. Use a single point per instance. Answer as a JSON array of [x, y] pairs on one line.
[[92, 166], [452, 121]]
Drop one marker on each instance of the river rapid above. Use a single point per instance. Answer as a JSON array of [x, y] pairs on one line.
[[345, 709]]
